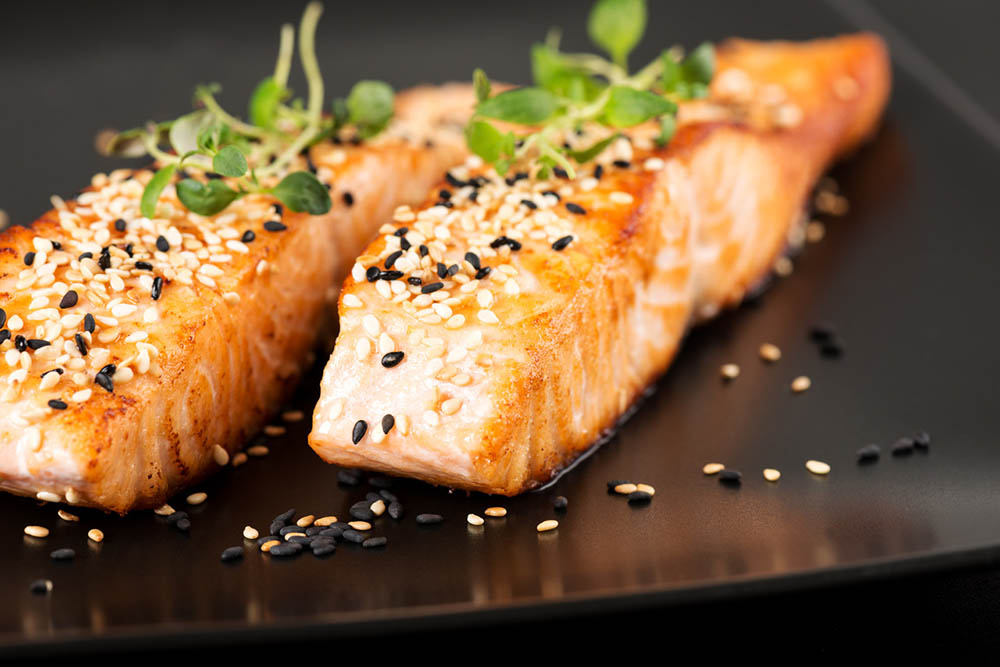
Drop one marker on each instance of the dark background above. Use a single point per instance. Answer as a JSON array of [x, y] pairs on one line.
[[70, 69]]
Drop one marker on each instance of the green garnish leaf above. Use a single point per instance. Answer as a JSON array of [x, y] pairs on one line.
[[340, 112], [481, 84], [668, 125], [489, 143], [229, 161], [628, 106], [301, 192], [593, 151], [700, 65], [205, 198], [524, 106], [151, 193], [264, 102], [551, 72], [617, 26], [370, 107], [186, 130]]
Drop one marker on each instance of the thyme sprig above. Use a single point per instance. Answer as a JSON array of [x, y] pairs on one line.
[[572, 89], [213, 141]]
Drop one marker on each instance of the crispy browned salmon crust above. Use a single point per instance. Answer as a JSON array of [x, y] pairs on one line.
[[139, 354], [544, 309]]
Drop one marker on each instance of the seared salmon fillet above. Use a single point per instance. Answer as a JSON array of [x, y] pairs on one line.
[[138, 354], [510, 323]]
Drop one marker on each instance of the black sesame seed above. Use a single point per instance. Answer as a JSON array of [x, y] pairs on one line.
[[431, 287], [347, 198], [88, 320], [391, 259], [821, 333], [483, 272], [333, 532], [56, 404], [162, 244], [637, 497], [575, 208], [444, 194], [599, 171], [561, 244], [358, 432], [374, 542], [286, 549], [104, 261], [144, 266], [20, 343], [553, 193], [395, 510], [212, 176], [452, 181], [423, 250], [85, 255], [324, 549], [40, 586], [869, 453], [362, 513], [429, 519], [402, 231], [248, 236], [902, 447], [452, 270], [267, 538], [176, 516], [3, 317], [120, 225], [351, 535], [473, 259], [232, 553], [390, 275], [37, 343], [404, 244], [922, 440], [503, 240], [371, 496], [388, 421], [104, 382], [63, 554], [29, 258], [622, 164], [274, 226], [81, 344], [474, 195], [69, 299], [831, 349], [128, 249], [413, 280], [386, 494], [275, 527], [560, 503], [390, 359], [529, 204], [157, 288], [616, 482], [560, 172], [299, 539], [279, 210], [4, 335], [445, 204], [348, 477], [730, 477], [285, 530], [56, 245], [372, 273], [442, 270]]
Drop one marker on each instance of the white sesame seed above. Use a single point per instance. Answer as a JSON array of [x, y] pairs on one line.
[[36, 531], [220, 455], [378, 507], [474, 520], [359, 525], [305, 521], [818, 467], [771, 474], [351, 301], [451, 406], [371, 325], [325, 521], [619, 197], [801, 383], [769, 352], [653, 164], [645, 488], [66, 516], [626, 488], [432, 418], [713, 468], [362, 348], [197, 498], [250, 533], [545, 526], [496, 512], [164, 510], [730, 371], [95, 535], [258, 450], [488, 317]]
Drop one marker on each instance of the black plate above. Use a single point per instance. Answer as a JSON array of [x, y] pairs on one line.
[[908, 279]]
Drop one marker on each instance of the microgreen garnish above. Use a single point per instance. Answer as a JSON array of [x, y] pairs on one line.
[[572, 89], [256, 153]]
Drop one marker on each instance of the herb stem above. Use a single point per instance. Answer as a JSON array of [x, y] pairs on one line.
[[285, 50], [205, 97]]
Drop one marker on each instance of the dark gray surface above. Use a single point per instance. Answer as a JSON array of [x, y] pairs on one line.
[[907, 278]]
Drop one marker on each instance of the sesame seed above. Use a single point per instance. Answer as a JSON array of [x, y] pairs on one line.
[[239, 459], [325, 521], [645, 488], [29, 258], [41, 586], [475, 519], [429, 519], [274, 226], [801, 383], [730, 477], [374, 542], [305, 521], [922, 440], [653, 164], [95, 535], [869, 453], [232, 553], [771, 475], [250, 533], [36, 531], [575, 208], [248, 236], [162, 244], [89, 325], [358, 431], [547, 525], [56, 404], [431, 287], [769, 352], [274, 430], [197, 498], [818, 467], [560, 503], [63, 554], [69, 299], [902, 447], [730, 371], [625, 488], [388, 421], [359, 525], [157, 288], [220, 455], [270, 544], [48, 496], [451, 406], [347, 198], [66, 516], [391, 359], [164, 510], [496, 512], [560, 244]]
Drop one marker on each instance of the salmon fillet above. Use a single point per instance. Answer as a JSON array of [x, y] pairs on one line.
[[542, 310], [185, 334]]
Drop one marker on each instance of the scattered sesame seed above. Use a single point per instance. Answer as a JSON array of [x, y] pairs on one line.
[[270, 544], [164, 510], [818, 467], [771, 474], [41, 586], [547, 525], [358, 431], [646, 488], [250, 533], [922, 440], [560, 244], [275, 430], [769, 352], [238, 459], [95, 535], [49, 497], [374, 542], [902, 447], [869, 453], [730, 371], [56, 404], [232, 553], [431, 287], [730, 477], [274, 226], [220, 455], [801, 383], [391, 359], [475, 520], [36, 531], [625, 488], [66, 516], [197, 498], [496, 512], [575, 208], [429, 519], [63, 554], [69, 299]]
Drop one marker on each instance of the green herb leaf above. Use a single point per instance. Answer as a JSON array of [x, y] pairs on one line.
[[151, 194], [264, 102], [489, 143], [229, 161], [300, 191], [627, 106], [524, 106], [340, 112], [700, 64], [185, 131], [617, 26], [668, 125], [593, 151], [205, 198], [551, 72], [370, 107], [481, 83], [673, 73]]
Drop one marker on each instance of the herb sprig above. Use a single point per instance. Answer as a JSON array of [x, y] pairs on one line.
[[572, 89], [213, 141]]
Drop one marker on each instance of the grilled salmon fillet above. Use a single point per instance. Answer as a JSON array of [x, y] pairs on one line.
[[509, 324], [138, 354]]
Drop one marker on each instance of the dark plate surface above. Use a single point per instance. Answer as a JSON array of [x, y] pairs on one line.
[[908, 279]]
